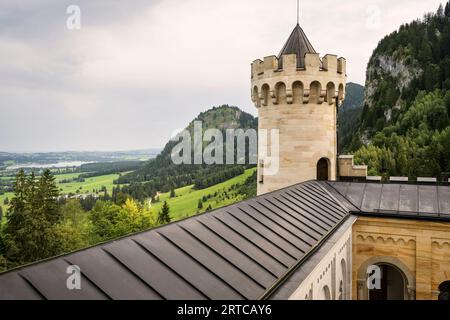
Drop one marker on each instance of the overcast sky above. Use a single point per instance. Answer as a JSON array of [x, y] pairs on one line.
[[138, 70]]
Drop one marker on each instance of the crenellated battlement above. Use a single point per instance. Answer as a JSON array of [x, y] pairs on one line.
[[313, 63], [321, 80]]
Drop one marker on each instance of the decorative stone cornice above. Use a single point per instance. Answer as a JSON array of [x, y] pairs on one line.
[[382, 238], [440, 243]]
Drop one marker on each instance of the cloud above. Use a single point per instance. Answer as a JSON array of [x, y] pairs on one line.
[[137, 71]]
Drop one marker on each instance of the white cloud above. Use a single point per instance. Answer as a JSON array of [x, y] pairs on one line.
[[146, 68]]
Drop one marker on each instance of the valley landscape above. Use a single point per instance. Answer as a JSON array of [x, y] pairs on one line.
[[397, 123]]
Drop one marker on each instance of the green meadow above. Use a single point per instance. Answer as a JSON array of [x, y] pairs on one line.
[[185, 203], [88, 186]]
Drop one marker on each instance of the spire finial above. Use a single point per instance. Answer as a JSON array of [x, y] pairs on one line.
[[298, 11]]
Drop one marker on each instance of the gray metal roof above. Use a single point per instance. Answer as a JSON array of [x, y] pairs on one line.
[[298, 44], [236, 252], [403, 200], [248, 250]]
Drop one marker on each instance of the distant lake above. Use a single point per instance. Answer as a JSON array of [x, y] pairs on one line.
[[62, 164]]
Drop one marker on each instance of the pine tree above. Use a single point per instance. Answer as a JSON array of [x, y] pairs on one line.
[[29, 233], [200, 204], [163, 215], [47, 197], [172, 193], [440, 11], [16, 218], [447, 9]]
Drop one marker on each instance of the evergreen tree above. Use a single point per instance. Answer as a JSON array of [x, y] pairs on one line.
[[29, 234], [200, 204], [172, 193], [1, 215], [163, 215], [47, 197], [209, 208], [440, 11], [6, 201], [447, 9], [16, 217]]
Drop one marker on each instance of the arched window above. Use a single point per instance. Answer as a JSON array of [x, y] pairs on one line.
[[341, 92], [265, 94], [326, 294], [343, 283], [323, 169], [280, 89], [297, 92], [256, 97], [331, 91], [314, 92], [444, 291]]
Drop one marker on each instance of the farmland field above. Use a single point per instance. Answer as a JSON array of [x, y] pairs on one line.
[[88, 185]]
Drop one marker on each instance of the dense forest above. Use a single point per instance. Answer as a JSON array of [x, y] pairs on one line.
[[404, 127], [349, 114]]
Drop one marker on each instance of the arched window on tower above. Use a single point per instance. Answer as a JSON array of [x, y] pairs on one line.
[[314, 92], [280, 89], [265, 94], [297, 92], [341, 92], [256, 97], [331, 91]]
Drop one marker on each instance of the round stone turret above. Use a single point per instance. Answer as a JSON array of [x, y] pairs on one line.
[[298, 93]]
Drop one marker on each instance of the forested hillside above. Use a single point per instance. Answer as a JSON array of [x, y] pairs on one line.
[[162, 175], [404, 128], [350, 113]]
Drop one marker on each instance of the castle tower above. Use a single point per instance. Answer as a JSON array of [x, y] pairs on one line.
[[298, 93]]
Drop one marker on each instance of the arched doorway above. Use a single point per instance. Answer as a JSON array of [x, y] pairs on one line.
[[393, 284], [322, 169]]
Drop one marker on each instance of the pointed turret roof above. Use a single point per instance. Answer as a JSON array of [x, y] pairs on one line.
[[299, 44]]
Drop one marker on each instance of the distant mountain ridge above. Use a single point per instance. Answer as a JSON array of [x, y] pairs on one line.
[[74, 156]]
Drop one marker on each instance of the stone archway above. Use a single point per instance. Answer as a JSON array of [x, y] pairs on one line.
[[409, 284], [392, 283]]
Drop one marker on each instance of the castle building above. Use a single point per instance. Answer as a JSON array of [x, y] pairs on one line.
[[309, 235]]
